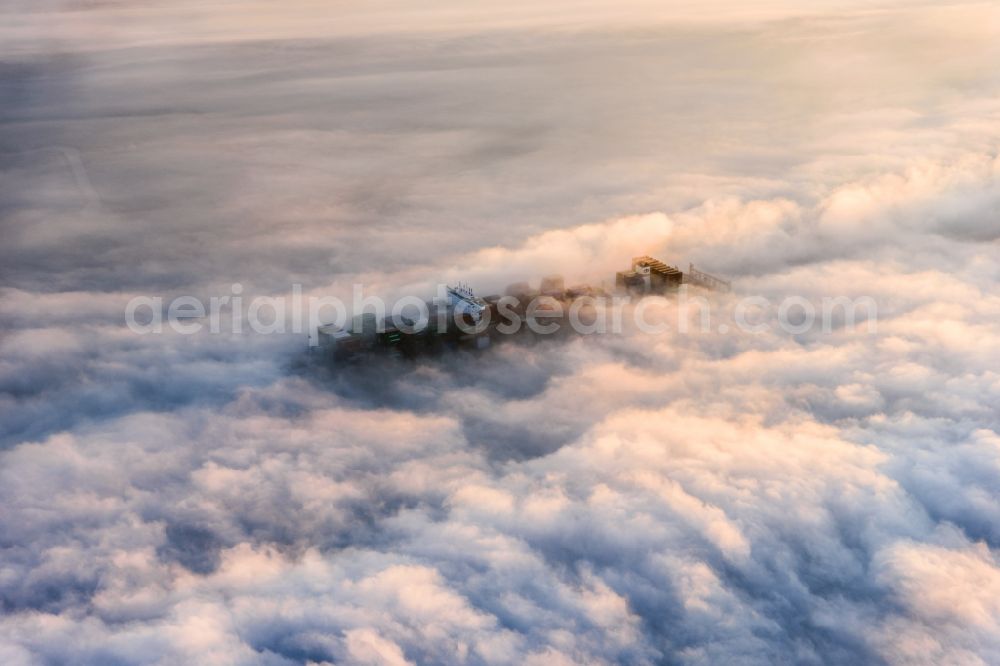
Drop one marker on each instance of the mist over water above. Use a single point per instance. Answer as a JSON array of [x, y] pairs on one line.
[[693, 497]]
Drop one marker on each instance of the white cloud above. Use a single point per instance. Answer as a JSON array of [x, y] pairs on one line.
[[696, 498]]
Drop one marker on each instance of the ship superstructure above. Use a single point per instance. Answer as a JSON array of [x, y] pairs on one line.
[[464, 302]]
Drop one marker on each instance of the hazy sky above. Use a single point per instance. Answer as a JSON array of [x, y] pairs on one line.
[[696, 498]]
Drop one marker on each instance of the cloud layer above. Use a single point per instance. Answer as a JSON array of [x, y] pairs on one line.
[[699, 498]]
